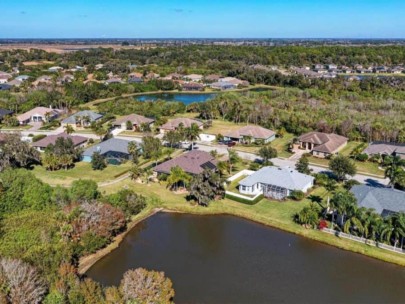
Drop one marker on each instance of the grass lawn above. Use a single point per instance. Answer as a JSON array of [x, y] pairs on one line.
[[220, 126], [281, 145], [81, 170], [272, 213]]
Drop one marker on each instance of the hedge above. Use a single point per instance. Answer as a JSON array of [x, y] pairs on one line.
[[244, 201]]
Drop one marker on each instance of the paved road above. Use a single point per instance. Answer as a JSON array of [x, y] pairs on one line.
[[364, 179]]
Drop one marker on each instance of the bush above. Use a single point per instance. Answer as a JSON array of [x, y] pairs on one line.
[[254, 166], [84, 189], [36, 138], [297, 195], [244, 201], [362, 157], [98, 162], [91, 242], [350, 183], [128, 201]]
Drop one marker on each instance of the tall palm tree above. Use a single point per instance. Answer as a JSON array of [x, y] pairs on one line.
[[394, 170], [69, 129], [177, 175], [233, 158], [192, 133], [398, 221], [135, 172], [133, 150]]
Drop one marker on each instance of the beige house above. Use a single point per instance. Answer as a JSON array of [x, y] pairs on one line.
[[174, 124], [321, 144], [38, 114], [136, 120]]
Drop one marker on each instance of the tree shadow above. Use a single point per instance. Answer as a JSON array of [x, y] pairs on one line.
[[374, 183], [315, 198]]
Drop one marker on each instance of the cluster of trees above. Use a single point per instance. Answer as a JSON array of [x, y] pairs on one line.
[[175, 137], [298, 111], [62, 154]]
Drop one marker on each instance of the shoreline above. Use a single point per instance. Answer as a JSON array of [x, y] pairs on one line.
[[85, 263]]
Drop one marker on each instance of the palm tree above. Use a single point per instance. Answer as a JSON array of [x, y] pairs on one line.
[[135, 172], [66, 160], [69, 129], [192, 133], [177, 175], [354, 222], [133, 150], [233, 158], [344, 203], [308, 216], [394, 170], [398, 223]]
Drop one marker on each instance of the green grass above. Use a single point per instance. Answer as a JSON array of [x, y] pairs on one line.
[[220, 126], [81, 170], [281, 145]]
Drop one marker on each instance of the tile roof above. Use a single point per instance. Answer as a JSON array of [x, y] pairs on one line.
[[382, 200], [134, 119], [193, 162], [51, 139], [325, 142], [256, 132], [93, 116], [110, 145], [282, 177], [384, 148], [4, 112], [174, 123], [38, 110]]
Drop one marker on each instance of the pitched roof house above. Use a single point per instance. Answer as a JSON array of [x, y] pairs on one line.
[[384, 201], [275, 182], [193, 162], [193, 77], [322, 144], [4, 113], [112, 149], [383, 148], [192, 86], [252, 133], [135, 119], [174, 124], [38, 114], [41, 145], [81, 119]]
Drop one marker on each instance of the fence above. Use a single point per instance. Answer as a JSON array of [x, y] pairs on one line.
[[239, 174], [363, 240]]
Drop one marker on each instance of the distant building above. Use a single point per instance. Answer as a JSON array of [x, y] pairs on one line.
[[223, 85], [192, 86], [193, 77], [135, 120], [175, 123], [384, 148], [55, 69], [321, 144], [41, 145], [81, 119], [38, 114], [114, 150], [384, 201], [275, 182], [4, 113], [251, 133]]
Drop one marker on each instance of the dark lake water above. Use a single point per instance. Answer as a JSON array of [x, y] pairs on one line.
[[224, 259], [188, 98]]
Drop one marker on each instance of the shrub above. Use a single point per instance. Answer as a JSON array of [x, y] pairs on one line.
[[84, 189], [297, 195], [36, 138], [128, 201], [362, 157], [91, 242], [242, 200]]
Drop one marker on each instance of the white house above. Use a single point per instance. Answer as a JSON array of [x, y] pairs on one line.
[[275, 182]]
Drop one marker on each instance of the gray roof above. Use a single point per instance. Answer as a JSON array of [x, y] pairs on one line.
[[282, 177], [382, 200], [384, 148], [92, 115], [110, 145]]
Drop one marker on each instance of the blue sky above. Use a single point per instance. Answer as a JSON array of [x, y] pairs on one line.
[[202, 19]]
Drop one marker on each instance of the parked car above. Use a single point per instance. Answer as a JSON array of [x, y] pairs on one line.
[[231, 143]]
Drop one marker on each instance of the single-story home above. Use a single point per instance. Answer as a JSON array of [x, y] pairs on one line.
[[114, 150], [193, 77], [275, 182], [234, 80], [38, 114], [4, 77], [385, 201], [192, 86], [5, 87], [55, 69], [321, 144], [174, 124], [4, 113], [135, 119], [384, 148], [193, 162], [41, 145], [223, 85], [212, 78], [81, 119], [252, 134]]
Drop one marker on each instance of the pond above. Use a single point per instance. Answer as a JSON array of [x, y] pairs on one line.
[[188, 98], [225, 259]]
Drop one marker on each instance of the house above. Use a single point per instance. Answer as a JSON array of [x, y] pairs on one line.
[[38, 114], [5, 87], [135, 78], [175, 123], [174, 76], [14, 83], [98, 66], [192, 86], [212, 78], [152, 75], [67, 78], [4, 78], [193, 77], [321, 144], [22, 77], [4, 113], [331, 66], [45, 79], [235, 81], [385, 201], [81, 119], [114, 80], [135, 120], [193, 162], [275, 182], [114, 150], [306, 73], [223, 85], [383, 148], [252, 134], [41, 145]]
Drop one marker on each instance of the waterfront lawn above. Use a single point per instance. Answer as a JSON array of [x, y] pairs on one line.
[[82, 170]]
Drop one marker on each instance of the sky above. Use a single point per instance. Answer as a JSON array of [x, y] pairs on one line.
[[202, 19]]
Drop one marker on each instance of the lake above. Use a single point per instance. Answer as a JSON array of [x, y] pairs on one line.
[[188, 98], [225, 259]]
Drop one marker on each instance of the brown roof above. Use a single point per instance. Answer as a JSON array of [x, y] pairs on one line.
[[384, 148], [253, 131], [193, 162], [324, 142], [193, 85], [174, 123], [212, 77], [135, 119], [51, 139], [38, 111], [136, 75]]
